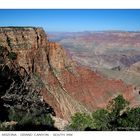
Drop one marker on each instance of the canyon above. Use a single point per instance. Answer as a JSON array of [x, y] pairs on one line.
[[113, 54], [66, 82], [107, 49]]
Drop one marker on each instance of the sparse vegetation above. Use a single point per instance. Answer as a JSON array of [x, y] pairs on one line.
[[25, 106], [101, 119], [1, 49], [12, 56], [20, 102], [9, 42], [80, 121], [117, 116], [39, 82]]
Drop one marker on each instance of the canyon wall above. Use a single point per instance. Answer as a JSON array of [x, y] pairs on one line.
[[67, 87]]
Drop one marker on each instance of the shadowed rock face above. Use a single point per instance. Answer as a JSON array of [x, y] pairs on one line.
[[67, 87]]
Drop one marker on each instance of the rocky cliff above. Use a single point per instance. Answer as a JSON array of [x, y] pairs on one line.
[[67, 87]]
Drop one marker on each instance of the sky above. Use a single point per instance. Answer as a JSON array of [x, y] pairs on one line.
[[72, 20]]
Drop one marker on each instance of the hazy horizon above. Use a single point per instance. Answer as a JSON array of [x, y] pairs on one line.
[[93, 31], [70, 31], [70, 20]]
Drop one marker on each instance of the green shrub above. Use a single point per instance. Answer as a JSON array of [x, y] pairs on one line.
[[26, 106], [80, 121], [19, 116], [117, 116], [9, 42], [44, 119], [117, 104], [101, 119], [12, 56], [130, 120], [24, 118]]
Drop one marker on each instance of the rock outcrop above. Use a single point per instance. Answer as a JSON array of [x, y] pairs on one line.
[[67, 87], [135, 67]]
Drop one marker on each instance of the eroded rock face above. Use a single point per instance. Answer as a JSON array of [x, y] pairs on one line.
[[25, 42], [135, 68], [67, 87]]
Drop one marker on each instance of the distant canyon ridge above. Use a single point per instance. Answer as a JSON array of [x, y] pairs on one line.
[[114, 54], [106, 49]]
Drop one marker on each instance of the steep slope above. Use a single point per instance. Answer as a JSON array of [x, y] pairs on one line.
[[67, 87], [126, 75]]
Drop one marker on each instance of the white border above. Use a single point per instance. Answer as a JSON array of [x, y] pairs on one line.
[[59, 135], [74, 4], [70, 4]]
